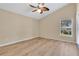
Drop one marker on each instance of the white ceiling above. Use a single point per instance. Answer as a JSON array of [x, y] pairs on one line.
[[26, 10]]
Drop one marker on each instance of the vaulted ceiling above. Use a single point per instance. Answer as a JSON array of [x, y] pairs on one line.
[[26, 10]]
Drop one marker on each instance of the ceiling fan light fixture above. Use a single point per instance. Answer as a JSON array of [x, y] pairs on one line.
[[39, 10]]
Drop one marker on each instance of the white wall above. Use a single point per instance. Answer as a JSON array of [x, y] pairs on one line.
[[77, 24]]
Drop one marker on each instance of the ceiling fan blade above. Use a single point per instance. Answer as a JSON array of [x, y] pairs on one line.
[[42, 4], [34, 10], [45, 9], [32, 6], [38, 5]]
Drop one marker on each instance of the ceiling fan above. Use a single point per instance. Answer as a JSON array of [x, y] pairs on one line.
[[39, 8]]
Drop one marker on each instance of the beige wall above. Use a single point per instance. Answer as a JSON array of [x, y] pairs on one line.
[[50, 25], [14, 27]]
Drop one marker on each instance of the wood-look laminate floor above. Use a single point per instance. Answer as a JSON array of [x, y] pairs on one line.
[[40, 47]]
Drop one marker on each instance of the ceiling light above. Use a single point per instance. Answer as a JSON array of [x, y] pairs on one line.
[[39, 10]]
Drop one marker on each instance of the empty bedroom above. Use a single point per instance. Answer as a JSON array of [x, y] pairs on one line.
[[39, 29]]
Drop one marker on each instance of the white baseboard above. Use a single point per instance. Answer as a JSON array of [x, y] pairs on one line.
[[13, 42], [59, 40]]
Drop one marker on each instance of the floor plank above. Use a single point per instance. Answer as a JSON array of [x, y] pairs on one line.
[[40, 47]]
